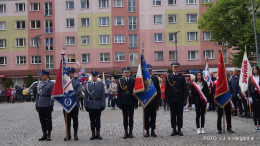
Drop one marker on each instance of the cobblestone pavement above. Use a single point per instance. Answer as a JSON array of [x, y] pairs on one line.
[[20, 125]]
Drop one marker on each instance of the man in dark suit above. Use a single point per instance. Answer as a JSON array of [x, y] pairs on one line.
[[150, 110], [75, 111], [126, 101], [212, 93], [236, 93]]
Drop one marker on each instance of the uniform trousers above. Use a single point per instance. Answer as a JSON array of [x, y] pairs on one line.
[[74, 116], [256, 109], [176, 110], [246, 106], [128, 115], [227, 109], [45, 118], [212, 103], [94, 116], [150, 116], [200, 113], [237, 101]]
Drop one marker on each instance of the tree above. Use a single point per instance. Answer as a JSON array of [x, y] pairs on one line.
[[9, 82], [29, 80], [232, 20], [169, 71]]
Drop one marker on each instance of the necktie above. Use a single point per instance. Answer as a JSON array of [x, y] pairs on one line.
[[94, 84]]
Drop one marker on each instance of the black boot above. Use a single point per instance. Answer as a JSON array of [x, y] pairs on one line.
[[93, 135], [126, 134], [98, 135], [153, 133], [130, 133], [49, 136], [76, 134], [179, 132], [147, 133], [44, 136], [69, 136], [174, 132]]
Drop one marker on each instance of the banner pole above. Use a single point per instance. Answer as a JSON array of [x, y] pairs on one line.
[[223, 120], [250, 108], [67, 135], [143, 121]]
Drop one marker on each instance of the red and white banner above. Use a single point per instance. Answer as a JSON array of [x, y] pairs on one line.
[[139, 85], [199, 90], [256, 85], [206, 75]]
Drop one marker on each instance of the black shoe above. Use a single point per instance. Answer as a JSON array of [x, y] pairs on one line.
[[93, 135], [209, 110], [174, 132], [98, 135], [219, 132], [109, 106], [69, 136], [244, 116], [147, 133], [126, 134], [230, 130], [130, 133], [153, 133], [76, 134], [49, 136], [44, 136], [179, 132]]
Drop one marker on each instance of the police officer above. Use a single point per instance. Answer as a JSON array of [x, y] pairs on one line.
[[150, 110], [175, 94], [126, 101], [44, 104], [94, 103], [75, 111]]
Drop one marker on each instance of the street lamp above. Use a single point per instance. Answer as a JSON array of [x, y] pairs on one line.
[[38, 38], [255, 31], [175, 35]]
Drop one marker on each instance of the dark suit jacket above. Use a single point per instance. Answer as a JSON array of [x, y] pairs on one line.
[[251, 87], [122, 96], [157, 98], [235, 86]]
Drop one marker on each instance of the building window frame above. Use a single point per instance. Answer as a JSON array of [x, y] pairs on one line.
[[37, 23], [172, 55], [157, 2], [70, 22], [47, 8], [131, 24], [172, 2], [156, 19], [82, 3], [20, 23], [71, 59], [206, 37], [119, 39], [85, 21], [86, 42], [133, 58], [189, 18], [3, 25], [20, 60], [103, 19], [131, 6], [19, 7], [204, 1], [49, 29], [174, 18], [70, 41], [33, 42], [189, 36], [191, 2], [33, 5], [48, 61], [157, 37], [69, 5], [133, 41], [34, 59], [103, 3], [104, 57], [157, 57], [3, 8], [210, 53], [116, 22], [121, 3], [87, 58], [196, 55], [172, 35], [3, 44], [48, 44], [119, 56], [104, 39], [4, 62], [18, 41]]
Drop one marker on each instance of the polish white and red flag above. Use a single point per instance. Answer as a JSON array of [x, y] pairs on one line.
[[139, 85], [206, 75]]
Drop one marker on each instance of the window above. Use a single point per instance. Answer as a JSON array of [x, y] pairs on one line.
[[208, 52], [2, 43], [120, 56], [157, 19], [193, 55], [119, 21], [2, 25], [48, 44], [85, 40], [118, 3], [48, 9], [204, 1], [34, 42], [70, 41], [206, 36], [2, 8], [158, 55], [103, 21], [84, 22], [132, 23], [133, 58], [70, 22], [131, 5], [20, 59], [34, 6], [104, 39], [71, 58], [19, 24], [157, 2], [192, 36], [70, 5], [224, 56], [20, 42], [35, 24], [191, 2], [132, 41], [103, 3], [104, 57], [220, 43], [34, 59], [172, 37], [49, 62], [2, 60], [171, 2], [172, 55], [85, 58], [192, 18], [84, 4], [20, 7], [172, 18], [158, 37], [48, 26], [119, 39]]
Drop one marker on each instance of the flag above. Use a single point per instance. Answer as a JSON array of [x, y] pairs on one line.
[[222, 93], [144, 89], [63, 91], [206, 75], [246, 72]]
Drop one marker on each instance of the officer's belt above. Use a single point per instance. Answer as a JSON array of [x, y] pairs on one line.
[[94, 98], [45, 95], [177, 90]]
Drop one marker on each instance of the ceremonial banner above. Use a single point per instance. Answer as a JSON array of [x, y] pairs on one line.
[[222, 93], [206, 75], [144, 90], [63, 91]]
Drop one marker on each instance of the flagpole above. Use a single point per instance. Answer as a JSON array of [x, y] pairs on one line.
[[143, 122], [223, 119]]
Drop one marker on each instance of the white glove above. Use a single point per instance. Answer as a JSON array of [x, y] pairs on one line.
[[207, 106], [240, 97], [237, 95], [250, 100]]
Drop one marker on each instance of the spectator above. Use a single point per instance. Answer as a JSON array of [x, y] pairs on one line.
[[3, 94], [113, 92], [8, 94], [107, 85], [34, 92], [16, 87], [19, 92], [13, 95], [163, 94], [1, 86], [1, 97], [25, 93]]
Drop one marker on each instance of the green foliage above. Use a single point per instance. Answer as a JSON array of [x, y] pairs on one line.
[[131, 73], [9, 82], [169, 71], [232, 20], [29, 80], [113, 73]]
